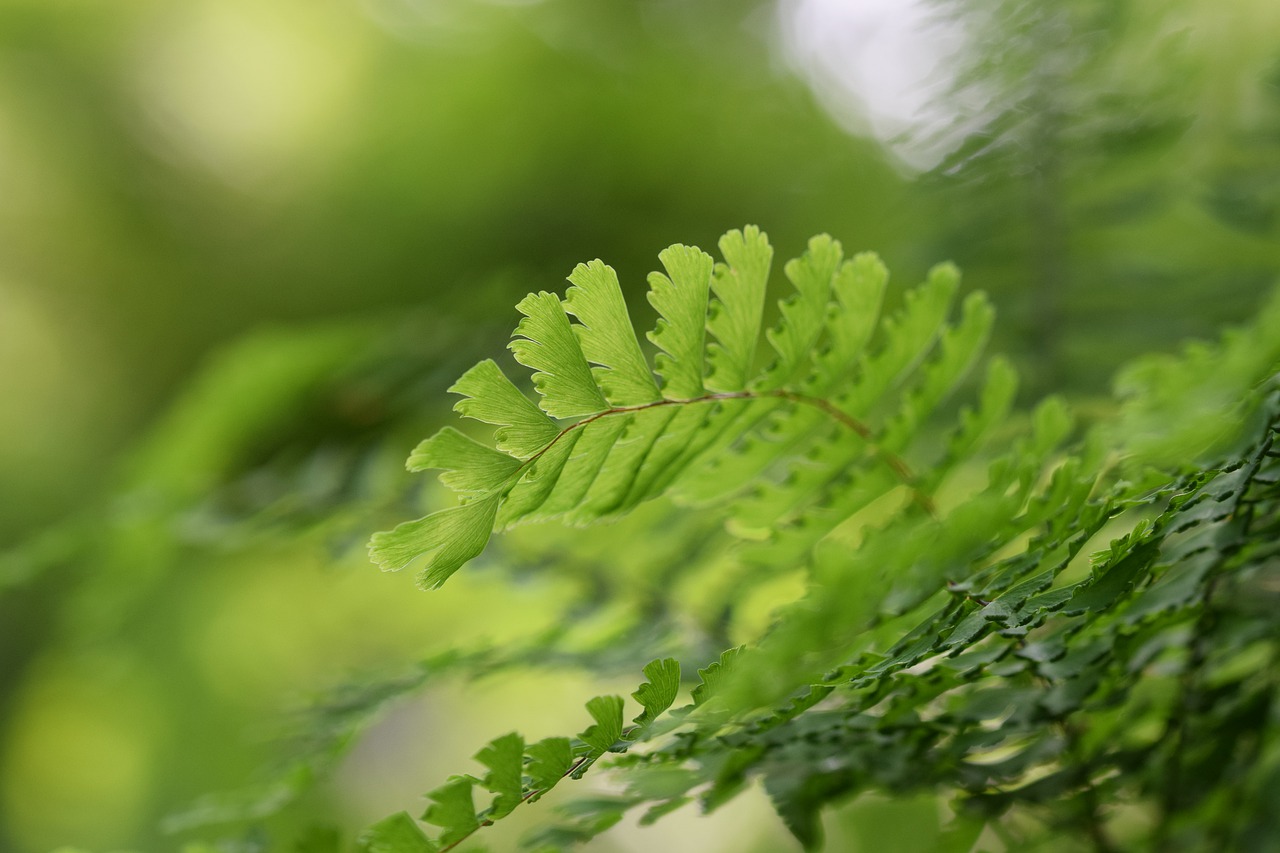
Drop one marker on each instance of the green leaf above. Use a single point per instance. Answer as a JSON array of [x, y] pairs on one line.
[[907, 337], [453, 810], [451, 536], [714, 675], [469, 466], [628, 456], [657, 694], [804, 314], [612, 461], [399, 833], [548, 346], [851, 320], [608, 337], [680, 298], [959, 348], [666, 455], [1116, 580], [999, 387], [607, 712], [549, 760], [504, 757], [1051, 422], [489, 396], [735, 314]]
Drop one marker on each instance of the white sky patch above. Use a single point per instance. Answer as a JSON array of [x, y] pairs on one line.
[[880, 67]]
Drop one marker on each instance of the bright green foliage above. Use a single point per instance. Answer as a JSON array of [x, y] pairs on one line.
[[605, 333], [451, 536], [468, 465], [623, 444], [547, 344], [453, 809], [680, 298], [735, 314], [1045, 624], [487, 395], [549, 761], [607, 712], [505, 759], [657, 694], [712, 676], [804, 314], [953, 633]]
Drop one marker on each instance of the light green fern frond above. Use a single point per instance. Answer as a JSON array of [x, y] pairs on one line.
[[837, 399]]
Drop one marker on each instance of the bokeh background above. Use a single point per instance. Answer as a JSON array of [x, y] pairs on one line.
[[245, 245]]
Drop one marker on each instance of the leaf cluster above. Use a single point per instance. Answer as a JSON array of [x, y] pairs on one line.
[[1063, 634]]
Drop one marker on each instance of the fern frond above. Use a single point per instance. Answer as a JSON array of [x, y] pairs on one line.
[[705, 423]]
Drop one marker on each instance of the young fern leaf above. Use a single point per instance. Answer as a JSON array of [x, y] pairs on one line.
[[714, 675], [488, 395], [451, 536], [736, 312], [468, 465], [657, 694], [549, 760], [505, 759], [859, 288], [606, 335], [680, 297], [804, 315], [705, 422], [453, 810], [600, 738], [546, 344]]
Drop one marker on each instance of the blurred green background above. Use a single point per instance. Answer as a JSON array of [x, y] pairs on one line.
[[244, 247]]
